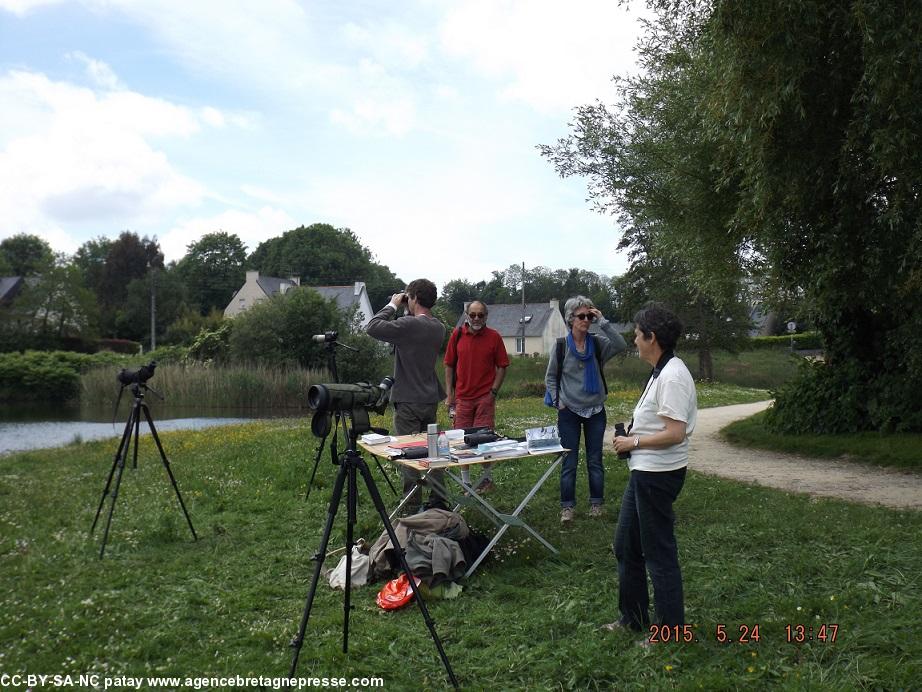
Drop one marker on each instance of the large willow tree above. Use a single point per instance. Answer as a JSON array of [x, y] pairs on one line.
[[810, 112]]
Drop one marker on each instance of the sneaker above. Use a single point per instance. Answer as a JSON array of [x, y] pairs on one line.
[[566, 515], [595, 510], [484, 486]]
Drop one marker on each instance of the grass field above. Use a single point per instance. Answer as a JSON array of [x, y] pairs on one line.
[[228, 604], [902, 451]]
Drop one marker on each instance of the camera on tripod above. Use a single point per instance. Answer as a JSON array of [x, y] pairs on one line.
[[354, 399], [139, 376]]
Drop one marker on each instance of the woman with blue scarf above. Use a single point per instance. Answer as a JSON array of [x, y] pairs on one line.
[[576, 387]]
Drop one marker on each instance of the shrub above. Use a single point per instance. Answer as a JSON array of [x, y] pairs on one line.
[[39, 375]]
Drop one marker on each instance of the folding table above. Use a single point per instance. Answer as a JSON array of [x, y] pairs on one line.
[[501, 520]]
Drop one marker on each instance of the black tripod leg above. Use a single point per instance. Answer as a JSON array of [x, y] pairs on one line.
[[310, 483], [122, 448], [351, 498], [118, 483], [382, 512], [319, 557], [137, 431], [166, 465], [386, 477]]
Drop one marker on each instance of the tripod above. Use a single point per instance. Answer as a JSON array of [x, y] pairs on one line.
[[349, 463], [132, 427], [329, 344]]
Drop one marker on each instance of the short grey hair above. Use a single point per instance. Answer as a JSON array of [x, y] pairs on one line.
[[574, 304]]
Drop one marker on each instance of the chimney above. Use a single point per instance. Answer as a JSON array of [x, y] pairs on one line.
[[252, 275], [554, 303]]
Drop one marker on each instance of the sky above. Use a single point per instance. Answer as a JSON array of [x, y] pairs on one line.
[[413, 123]]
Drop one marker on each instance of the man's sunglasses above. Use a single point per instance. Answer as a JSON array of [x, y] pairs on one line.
[[585, 316], [473, 315]]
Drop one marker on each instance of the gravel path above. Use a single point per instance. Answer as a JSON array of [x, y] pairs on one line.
[[847, 480]]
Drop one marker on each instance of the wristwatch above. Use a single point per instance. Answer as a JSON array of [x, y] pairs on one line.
[[494, 392], [636, 441]]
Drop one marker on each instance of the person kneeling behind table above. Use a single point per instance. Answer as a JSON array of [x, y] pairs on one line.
[[657, 441], [475, 366], [417, 339]]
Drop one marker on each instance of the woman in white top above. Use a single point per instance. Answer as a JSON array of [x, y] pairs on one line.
[[658, 444]]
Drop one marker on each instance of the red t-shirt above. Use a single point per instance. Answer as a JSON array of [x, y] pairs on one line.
[[475, 357]]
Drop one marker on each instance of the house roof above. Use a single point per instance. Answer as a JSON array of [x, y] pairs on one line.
[[9, 287], [345, 296], [507, 318], [273, 284]]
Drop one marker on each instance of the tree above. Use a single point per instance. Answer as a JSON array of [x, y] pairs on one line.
[[128, 258], [807, 117], [213, 269], [651, 163], [276, 332], [90, 259], [133, 317], [53, 311], [321, 255], [26, 255]]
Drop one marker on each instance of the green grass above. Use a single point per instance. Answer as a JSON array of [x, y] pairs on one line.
[[160, 603], [899, 451]]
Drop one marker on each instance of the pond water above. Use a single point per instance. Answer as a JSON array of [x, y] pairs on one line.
[[23, 428], [23, 436]]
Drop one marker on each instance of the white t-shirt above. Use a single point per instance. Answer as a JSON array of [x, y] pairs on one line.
[[671, 395]]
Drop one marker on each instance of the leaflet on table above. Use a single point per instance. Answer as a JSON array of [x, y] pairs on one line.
[[502, 448], [543, 440], [376, 439]]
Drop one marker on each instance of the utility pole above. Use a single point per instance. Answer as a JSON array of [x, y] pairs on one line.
[[153, 308], [523, 310]]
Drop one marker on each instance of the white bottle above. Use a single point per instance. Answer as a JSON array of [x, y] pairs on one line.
[[444, 452]]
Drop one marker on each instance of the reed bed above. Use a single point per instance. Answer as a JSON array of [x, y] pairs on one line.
[[213, 387]]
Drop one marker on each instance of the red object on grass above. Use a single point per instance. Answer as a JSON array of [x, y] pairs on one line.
[[396, 593]]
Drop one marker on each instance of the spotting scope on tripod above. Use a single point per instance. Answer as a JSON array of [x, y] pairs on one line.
[[136, 380], [332, 419], [355, 401]]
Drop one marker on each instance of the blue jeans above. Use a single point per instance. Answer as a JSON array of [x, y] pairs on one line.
[[569, 426], [645, 542]]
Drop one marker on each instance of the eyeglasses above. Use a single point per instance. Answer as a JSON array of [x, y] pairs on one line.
[[584, 316], [474, 315]]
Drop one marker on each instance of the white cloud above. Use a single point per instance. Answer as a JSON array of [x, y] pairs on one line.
[[251, 227], [99, 72], [550, 55], [77, 156], [21, 7]]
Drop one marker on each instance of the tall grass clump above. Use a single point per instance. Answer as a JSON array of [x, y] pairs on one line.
[[213, 386]]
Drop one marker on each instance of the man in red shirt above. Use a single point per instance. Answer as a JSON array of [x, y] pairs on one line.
[[475, 366]]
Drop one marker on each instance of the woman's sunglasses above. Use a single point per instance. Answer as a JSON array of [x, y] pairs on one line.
[[585, 316]]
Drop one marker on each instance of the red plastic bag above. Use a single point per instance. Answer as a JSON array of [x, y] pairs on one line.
[[396, 593]]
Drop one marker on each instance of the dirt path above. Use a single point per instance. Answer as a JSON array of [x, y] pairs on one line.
[[846, 480]]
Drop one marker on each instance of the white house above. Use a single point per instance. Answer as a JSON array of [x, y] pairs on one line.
[[532, 330], [257, 288]]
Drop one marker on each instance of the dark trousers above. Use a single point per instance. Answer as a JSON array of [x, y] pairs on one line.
[[645, 543], [409, 419]]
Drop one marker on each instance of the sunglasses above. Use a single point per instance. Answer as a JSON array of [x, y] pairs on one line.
[[474, 315], [585, 316]]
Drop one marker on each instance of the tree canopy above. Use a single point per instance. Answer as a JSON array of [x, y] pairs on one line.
[[321, 255], [213, 269], [25, 255]]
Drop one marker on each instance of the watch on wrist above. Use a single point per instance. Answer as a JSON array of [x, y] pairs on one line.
[[636, 441], [493, 392]]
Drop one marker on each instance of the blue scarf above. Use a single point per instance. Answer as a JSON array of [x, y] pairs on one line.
[[591, 383]]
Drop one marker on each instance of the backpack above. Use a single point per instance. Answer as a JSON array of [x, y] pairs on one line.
[[561, 352], [456, 334]]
